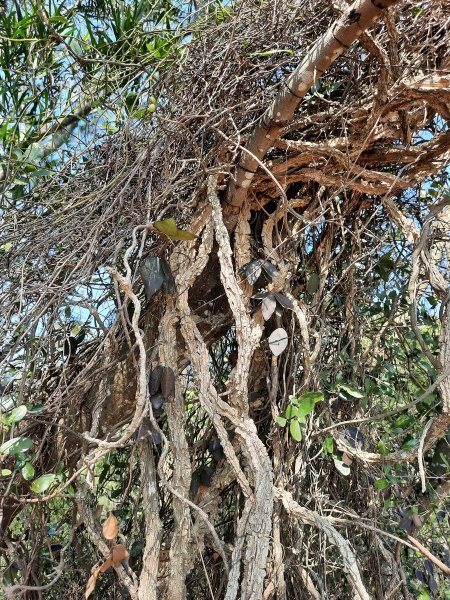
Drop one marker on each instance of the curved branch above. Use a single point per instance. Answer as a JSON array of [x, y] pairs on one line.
[[312, 518], [328, 48]]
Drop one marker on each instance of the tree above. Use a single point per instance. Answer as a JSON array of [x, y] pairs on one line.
[[225, 300]]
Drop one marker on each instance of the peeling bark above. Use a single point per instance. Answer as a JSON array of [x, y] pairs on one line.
[[328, 48]]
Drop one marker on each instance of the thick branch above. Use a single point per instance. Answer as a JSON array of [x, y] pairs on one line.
[[328, 48]]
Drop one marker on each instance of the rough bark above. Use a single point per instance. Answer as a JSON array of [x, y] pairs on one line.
[[328, 48]]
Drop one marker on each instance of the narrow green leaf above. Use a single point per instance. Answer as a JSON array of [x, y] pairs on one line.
[[328, 444], [350, 391], [295, 430], [272, 52], [169, 228]]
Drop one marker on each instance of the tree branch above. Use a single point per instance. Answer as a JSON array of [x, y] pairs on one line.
[[328, 48]]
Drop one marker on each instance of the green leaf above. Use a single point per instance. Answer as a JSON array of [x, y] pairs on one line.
[[328, 444], [270, 270], [284, 301], [281, 421], [16, 415], [403, 421], [291, 411], [370, 385], [306, 407], [5, 472], [16, 445], [385, 266], [410, 444], [295, 430], [252, 271], [294, 400], [6, 247], [41, 484], [169, 228], [141, 112], [350, 391], [381, 484], [268, 306], [307, 402], [272, 52], [27, 471], [169, 282], [382, 448], [131, 100], [314, 396]]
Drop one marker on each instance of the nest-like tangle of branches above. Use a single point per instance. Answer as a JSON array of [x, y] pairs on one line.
[[210, 100], [374, 129]]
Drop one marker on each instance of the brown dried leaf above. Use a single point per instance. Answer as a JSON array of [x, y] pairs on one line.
[[119, 553], [105, 566], [346, 459], [407, 524], [416, 520], [168, 383], [110, 527], [407, 491], [92, 581]]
